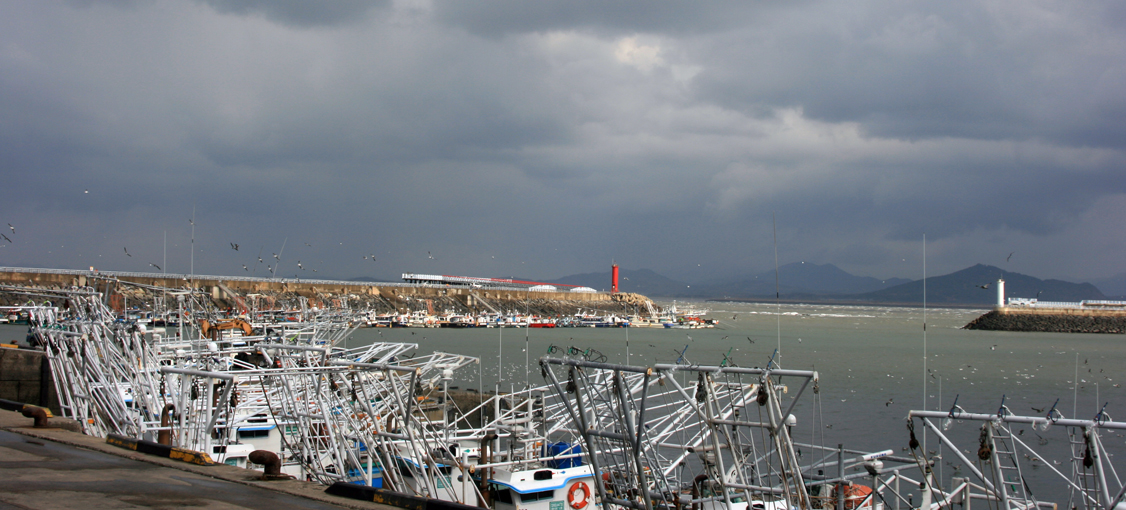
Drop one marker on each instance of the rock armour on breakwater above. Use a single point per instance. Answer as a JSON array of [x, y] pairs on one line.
[[1049, 323]]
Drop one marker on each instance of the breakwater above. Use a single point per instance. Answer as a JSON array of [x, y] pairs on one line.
[[1051, 321], [246, 292]]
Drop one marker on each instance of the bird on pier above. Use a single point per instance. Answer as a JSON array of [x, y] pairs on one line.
[[127, 251]]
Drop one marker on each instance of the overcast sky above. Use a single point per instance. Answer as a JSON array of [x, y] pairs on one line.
[[546, 138]]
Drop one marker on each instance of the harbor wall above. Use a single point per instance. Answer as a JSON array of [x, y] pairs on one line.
[[1051, 320], [249, 286], [25, 376]]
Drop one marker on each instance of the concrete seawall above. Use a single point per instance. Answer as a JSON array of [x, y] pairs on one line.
[[25, 376], [236, 292], [215, 286]]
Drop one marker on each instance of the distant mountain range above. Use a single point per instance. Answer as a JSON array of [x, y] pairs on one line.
[[826, 282]]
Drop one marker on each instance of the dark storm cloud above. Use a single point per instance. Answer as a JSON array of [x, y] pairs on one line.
[[501, 17], [942, 69], [299, 13], [547, 138]]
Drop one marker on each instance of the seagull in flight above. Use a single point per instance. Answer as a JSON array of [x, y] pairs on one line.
[[751, 340], [889, 402], [431, 257], [154, 265], [260, 259], [244, 268], [5, 238], [127, 251], [986, 286], [1010, 256], [234, 246], [277, 257], [11, 227]]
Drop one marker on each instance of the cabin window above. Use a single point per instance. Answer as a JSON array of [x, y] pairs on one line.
[[544, 474], [504, 496], [253, 433], [537, 496]]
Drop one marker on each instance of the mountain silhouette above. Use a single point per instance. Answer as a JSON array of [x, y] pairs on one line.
[[828, 283]]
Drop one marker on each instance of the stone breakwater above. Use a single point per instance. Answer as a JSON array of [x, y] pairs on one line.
[[1059, 322], [274, 294]]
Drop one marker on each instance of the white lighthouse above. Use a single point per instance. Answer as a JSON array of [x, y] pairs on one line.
[[1000, 293]]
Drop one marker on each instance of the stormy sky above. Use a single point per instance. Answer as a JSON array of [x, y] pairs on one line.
[[541, 139]]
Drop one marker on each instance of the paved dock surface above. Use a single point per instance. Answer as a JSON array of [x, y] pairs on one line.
[[46, 469]]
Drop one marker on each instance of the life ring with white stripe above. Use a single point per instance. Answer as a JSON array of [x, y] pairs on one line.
[[583, 490]]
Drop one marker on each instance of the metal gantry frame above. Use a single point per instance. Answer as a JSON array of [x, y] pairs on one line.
[[661, 442], [1093, 482]]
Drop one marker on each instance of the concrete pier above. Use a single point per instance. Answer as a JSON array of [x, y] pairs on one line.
[[53, 468]]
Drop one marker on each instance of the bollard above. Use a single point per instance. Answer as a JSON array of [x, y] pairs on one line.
[[271, 464], [39, 414]]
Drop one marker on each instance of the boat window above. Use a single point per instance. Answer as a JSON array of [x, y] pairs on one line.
[[504, 495], [537, 496], [543, 474], [253, 433]]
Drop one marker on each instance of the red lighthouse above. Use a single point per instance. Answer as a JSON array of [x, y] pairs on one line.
[[614, 277]]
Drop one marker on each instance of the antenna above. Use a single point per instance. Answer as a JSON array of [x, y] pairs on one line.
[[925, 334], [277, 260], [193, 246], [777, 293]]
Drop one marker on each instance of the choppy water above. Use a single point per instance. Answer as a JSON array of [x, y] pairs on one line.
[[866, 357]]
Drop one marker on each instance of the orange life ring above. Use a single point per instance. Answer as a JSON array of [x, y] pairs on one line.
[[576, 487]]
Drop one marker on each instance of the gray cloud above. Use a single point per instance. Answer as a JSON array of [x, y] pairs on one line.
[[298, 13], [546, 139]]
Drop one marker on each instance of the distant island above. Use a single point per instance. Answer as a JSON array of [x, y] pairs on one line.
[[826, 283]]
